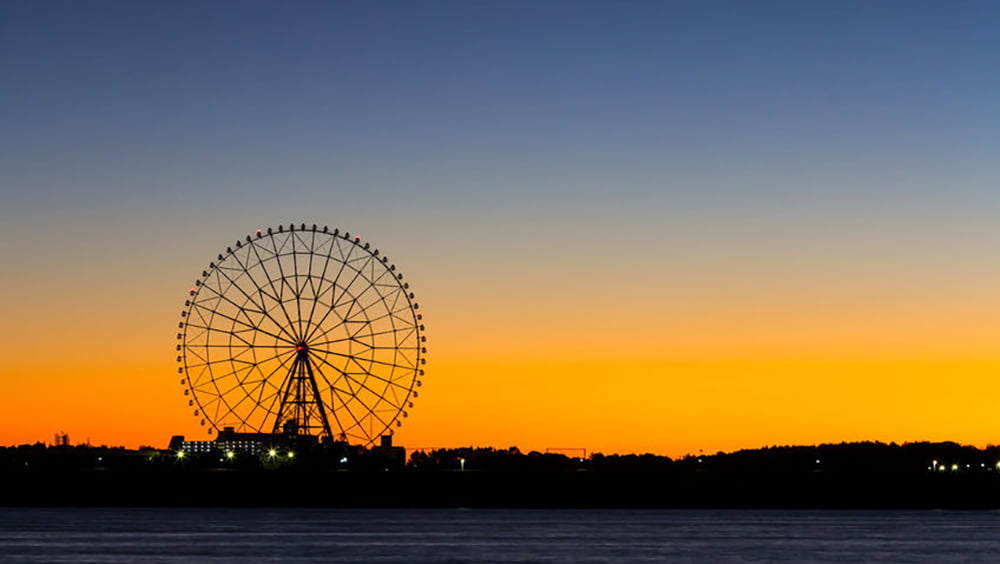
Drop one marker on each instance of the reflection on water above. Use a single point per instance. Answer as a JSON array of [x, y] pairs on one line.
[[443, 535]]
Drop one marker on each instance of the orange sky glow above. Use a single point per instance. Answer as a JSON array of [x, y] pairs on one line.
[[625, 376]]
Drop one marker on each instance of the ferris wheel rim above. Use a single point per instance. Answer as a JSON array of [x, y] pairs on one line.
[[285, 331]]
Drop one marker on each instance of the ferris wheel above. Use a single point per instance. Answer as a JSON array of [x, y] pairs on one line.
[[304, 330]]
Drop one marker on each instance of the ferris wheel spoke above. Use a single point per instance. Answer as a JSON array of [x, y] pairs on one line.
[[246, 268], [372, 284], [283, 278], [199, 312], [256, 407], [398, 293], [250, 324], [346, 406], [278, 356], [258, 369], [371, 408], [329, 289], [309, 297], [249, 328], [401, 334], [322, 337], [389, 383], [350, 301], [248, 346], [240, 348], [355, 337], [203, 309], [332, 290], [349, 315], [220, 361], [344, 340], [392, 365], [277, 389], [389, 315], [317, 361], [349, 378], [365, 371], [352, 317], [316, 365], [332, 310], [358, 360], [212, 405], [315, 255], [322, 277], [267, 274], [235, 374], [248, 396], [297, 288], [395, 396], [356, 301], [346, 288], [362, 325], [383, 300], [263, 398], [221, 271], [262, 305], [365, 323], [228, 332], [315, 299], [230, 408]]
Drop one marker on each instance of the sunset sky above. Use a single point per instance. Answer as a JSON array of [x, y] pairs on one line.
[[631, 226]]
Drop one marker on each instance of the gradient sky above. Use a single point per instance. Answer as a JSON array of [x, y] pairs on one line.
[[632, 226]]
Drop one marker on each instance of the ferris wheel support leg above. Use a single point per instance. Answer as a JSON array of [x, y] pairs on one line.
[[319, 400], [288, 385]]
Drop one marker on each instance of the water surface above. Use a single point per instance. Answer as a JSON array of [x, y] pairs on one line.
[[449, 535]]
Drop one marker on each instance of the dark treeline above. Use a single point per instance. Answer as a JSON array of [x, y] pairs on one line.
[[859, 457], [855, 475]]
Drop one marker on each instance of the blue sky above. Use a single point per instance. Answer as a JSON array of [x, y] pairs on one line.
[[671, 99], [553, 117]]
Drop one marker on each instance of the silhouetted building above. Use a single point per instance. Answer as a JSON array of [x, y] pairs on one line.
[[61, 439], [228, 440], [391, 456]]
